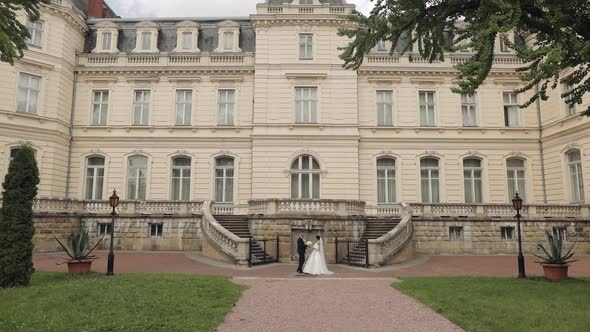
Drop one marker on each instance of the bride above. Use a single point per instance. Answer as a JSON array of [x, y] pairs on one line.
[[316, 262]]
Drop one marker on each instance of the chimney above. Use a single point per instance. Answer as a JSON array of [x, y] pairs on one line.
[[95, 8]]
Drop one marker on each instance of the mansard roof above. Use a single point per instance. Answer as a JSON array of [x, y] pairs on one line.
[[208, 33], [330, 2]]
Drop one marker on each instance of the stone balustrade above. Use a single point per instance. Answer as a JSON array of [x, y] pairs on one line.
[[166, 60], [386, 210], [226, 241], [385, 59], [500, 210], [387, 246], [304, 10], [307, 207]]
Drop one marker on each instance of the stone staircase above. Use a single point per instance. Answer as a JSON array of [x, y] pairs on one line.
[[375, 228], [239, 225]]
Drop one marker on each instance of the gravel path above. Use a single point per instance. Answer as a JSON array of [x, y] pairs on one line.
[[329, 304]]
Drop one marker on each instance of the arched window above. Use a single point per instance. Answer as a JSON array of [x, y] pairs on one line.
[[136, 177], [386, 192], [224, 180], [305, 178], [94, 178], [574, 163], [181, 179], [430, 177], [516, 174], [472, 180]]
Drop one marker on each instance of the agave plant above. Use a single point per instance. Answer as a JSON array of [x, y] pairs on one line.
[[77, 246], [555, 253]]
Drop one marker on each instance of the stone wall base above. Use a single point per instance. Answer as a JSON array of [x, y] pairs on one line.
[[49, 227]]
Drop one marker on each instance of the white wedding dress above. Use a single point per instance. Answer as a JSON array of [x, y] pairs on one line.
[[316, 262]]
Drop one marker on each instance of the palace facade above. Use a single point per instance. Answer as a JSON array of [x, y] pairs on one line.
[[206, 124]]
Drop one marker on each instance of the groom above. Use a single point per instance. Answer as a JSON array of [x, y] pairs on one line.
[[301, 252]]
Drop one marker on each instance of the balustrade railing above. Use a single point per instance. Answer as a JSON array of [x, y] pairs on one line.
[[166, 59], [501, 210], [304, 10], [226, 241], [306, 207]]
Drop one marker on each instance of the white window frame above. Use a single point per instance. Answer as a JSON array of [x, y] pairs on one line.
[[184, 179], [503, 46], [149, 30], [469, 116], [185, 106], [570, 109], [28, 93], [226, 100], [575, 176], [141, 107], [306, 96], [305, 46], [106, 42], [222, 28], [96, 195], [103, 107], [36, 30], [134, 174], [187, 28], [381, 46], [110, 28], [430, 179], [298, 170], [225, 179], [384, 108], [428, 108], [512, 175], [389, 175], [511, 108], [471, 180]]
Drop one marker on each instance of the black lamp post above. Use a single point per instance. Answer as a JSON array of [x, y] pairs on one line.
[[114, 200], [517, 204]]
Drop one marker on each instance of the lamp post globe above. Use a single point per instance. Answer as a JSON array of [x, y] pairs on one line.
[[517, 205], [114, 201]]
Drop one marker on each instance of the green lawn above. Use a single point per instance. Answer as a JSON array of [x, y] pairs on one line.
[[125, 302], [501, 304]]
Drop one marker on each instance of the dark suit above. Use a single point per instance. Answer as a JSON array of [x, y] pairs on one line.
[[301, 251]]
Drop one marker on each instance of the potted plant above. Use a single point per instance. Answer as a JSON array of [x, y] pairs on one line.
[[555, 263], [77, 248]]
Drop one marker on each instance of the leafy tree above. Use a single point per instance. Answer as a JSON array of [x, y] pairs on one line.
[[13, 34], [16, 220], [557, 35]]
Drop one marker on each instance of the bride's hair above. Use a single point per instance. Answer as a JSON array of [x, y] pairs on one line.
[[317, 237]]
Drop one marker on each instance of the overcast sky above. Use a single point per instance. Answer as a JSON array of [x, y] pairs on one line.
[[197, 8]]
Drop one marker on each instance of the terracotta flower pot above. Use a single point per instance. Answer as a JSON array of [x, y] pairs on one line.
[[555, 272], [76, 267]]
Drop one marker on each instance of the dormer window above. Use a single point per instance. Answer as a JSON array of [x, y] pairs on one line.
[[187, 36], [107, 35], [229, 37], [147, 37]]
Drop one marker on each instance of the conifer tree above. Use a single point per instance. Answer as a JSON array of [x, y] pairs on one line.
[[16, 219]]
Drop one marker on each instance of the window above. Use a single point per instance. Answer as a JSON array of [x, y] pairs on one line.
[[384, 108], [429, 176], [94, 178], [503, 45], [184, 105], [427, 109], [105, 229], [181, 179], [141, 107], [305, 178], [36, 32], [100, 106], [306, 2], [570, 107], [456, 233], [136, 177], [472, 180], [381, 46], [515, 169], [228, 41], [305, 46], [306, 105], [187, 40], [146, 41], [29, 87], [507, 233], [13, 153], [107, 38], [511, 113], [469, 110], [559, 232], [574, 163], [224, 180], [156, 230], [386, 189], [226, 107]]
